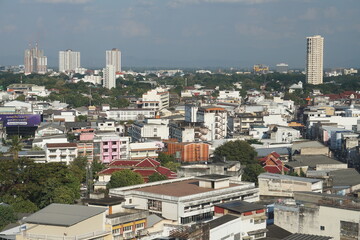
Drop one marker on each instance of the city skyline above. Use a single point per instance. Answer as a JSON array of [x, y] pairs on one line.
[[183, 33]]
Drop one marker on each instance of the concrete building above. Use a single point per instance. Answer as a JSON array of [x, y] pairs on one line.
[[314, 59], [157, 98], [127, 114], [62, 221], [277, 185], [215, 119], [109, 80], [110, 146], [35, 61], [61, 152], [187, 200], [69, 60], [142, 150], [325, 215], [282, 68], [188, 152], [113, 57], [150, 128]]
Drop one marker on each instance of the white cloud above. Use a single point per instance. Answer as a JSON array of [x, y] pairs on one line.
[[64, 1]]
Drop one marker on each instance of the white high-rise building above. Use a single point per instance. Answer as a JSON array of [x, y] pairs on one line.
[[69, 61], [113, 57], [109, 77], [314, 60]]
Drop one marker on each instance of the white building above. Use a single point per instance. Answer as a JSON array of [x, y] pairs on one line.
[[95, 79], [284, 134], [61, 152], [186, 200], [127, 114], [151, 128], [229, 95], [215, 119], [139, 151], [157, 98], [113, 57], [68, 60], [314, 59], [109, 77]]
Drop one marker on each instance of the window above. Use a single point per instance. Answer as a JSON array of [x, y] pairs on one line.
[[322, 228], [127, 229], [116, 231], [154, 205], [130, 201], [139, 226], [259, 235]]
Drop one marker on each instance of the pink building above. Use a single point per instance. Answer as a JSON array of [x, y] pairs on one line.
[[111, 147]]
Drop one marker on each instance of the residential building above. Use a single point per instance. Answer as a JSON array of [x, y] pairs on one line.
[[145, 167], [48, 129], [282, 68], [40, 142], [69, 60], [215, 119], [113, 57], [150, 128], [109, 79], [187, 200], [66, 221], [319, 214], [282, 134], [127, 114], [314, 59], [243, 121], [86, 149], [110, 146], [277, 185], [252, 216], [61, 152], [141, 150], [35, 61], [157, 98], [187, 151]]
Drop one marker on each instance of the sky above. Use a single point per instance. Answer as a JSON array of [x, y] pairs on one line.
[[182, 33]]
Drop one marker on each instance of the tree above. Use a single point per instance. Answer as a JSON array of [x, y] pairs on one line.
[[251, 172], [236, 151], [124, 178], [16, 146], [81, 118], [78, 167], [7, 215], [96, 166], [157, 177], [165, 158]]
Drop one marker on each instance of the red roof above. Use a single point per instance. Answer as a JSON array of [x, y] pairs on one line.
[[109, 171], [145, 172], [148, 163], [275, 169], [59, 145], [167, 172], [123, 163], [275, 154]]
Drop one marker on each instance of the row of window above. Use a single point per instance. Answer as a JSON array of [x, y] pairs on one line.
[[138, 226]]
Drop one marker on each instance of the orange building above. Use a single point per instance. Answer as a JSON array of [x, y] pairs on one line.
[[188, 152]]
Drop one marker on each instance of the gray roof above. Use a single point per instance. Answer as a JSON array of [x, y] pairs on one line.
[[153, 219], [241, 206], [222, 220], [262, 152], [300, 236], [283, 177], [311, 161], [307, 144], [345, 177], [44, 125], [63, 214]]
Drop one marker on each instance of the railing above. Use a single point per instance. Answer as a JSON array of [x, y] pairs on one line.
[[59, 237]]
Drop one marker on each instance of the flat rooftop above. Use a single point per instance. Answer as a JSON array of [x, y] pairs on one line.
[[179, 189], [241, 206], [311, 161]]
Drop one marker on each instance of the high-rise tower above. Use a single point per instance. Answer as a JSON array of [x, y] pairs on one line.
[[314, 59], [35, 61], [109, 77], [68, 60], [113, 57]]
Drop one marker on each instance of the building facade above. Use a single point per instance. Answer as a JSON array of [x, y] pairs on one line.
[[113, 57], [314, 59], [68, 60], [109, 81], [35, 61]]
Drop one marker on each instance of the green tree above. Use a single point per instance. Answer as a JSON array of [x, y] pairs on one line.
[[236, 151], [124, 178], [81, 118], [7, 215], [96, 166], [157, 177], [164, 158], [78, 167], [15, 147], [251, 172]]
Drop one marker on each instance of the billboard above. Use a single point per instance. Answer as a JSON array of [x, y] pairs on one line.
[[22, 120]]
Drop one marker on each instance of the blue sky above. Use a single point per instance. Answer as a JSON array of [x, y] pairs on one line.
[[183, 33]]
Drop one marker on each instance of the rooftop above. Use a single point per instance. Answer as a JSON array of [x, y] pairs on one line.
[[311, 160], [63, 214], [240, 206], [300, 236], [287, 177], [105, 201], [222, 220]]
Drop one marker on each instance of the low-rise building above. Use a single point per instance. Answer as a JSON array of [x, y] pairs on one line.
[[277, 185], [187, 200], [188, 152], [61, 152]]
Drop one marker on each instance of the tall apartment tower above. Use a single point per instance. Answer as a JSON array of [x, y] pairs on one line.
[[68, 60], [113, 57], [35, 61], [109, 77], [314, 60]]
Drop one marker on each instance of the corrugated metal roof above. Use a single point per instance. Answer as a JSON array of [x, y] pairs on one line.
[[63, 214], [300, 236]]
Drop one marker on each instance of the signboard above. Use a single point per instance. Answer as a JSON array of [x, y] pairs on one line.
[[22, 120]]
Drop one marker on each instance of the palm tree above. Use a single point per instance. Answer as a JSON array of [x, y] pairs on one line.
[[16, 146]]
